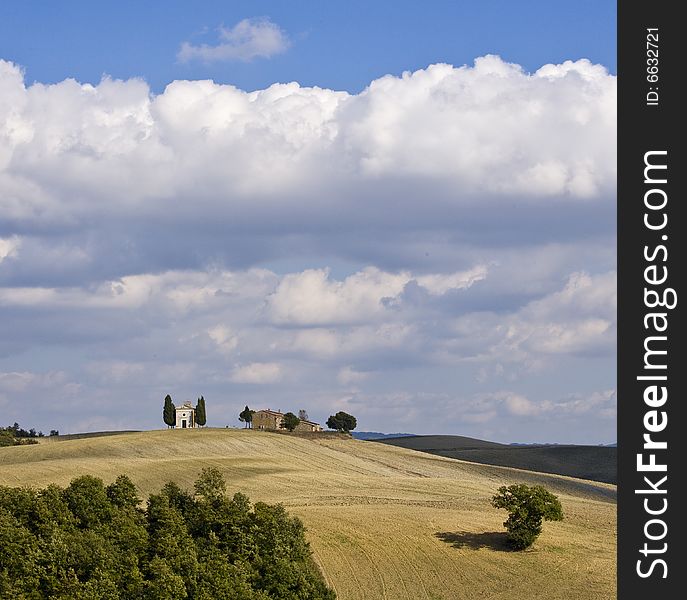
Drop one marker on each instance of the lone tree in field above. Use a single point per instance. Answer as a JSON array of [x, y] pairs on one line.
[[169, 415], [246, 416], [342, 421], [201, 415], [527, 507], [290, 421]]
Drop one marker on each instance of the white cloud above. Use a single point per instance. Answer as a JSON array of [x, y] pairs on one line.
[[248, 39], [309, 313], [440, 284], [9, 247], [179, 292], [578, 320], [224, 337], [520, 405], [257, 373], [313, 298], [492, 120], [78, 152]]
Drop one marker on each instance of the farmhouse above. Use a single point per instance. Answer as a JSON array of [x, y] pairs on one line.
[[267, 419], [308, 426], [186, 416], [274, 419]]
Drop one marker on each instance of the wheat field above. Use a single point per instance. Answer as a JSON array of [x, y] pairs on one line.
[[383, 522]]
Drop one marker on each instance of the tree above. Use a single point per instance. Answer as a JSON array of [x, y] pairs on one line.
[[169, 415], [201, 416], [87, 499], [210, 485], [527, 507], [122, 492], [342, 421], [303, 415], [290, 421], [246, 416]]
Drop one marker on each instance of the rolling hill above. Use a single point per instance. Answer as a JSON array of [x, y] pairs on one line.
[[598, 463], [384, 522]]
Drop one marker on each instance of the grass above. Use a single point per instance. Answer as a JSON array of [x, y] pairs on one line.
[[598, 463], [384, 522]]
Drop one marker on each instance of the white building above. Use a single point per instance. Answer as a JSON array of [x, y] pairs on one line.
[[186, 416]]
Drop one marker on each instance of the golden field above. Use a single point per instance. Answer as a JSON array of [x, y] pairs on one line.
[[383, 522]]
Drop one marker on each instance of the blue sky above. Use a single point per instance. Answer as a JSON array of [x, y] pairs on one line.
[[339, 45], [400, 210]]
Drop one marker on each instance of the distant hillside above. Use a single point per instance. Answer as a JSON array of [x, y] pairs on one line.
[[598, 463], [438, 443], [376, 435]]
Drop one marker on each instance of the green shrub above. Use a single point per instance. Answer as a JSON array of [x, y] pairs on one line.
[[527, 507]]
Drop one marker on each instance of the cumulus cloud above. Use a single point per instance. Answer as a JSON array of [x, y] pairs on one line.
[[469, 134], [248, 39], [312, 298], [367, 317]]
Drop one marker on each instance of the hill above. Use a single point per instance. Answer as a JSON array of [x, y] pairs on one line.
[[598, 463], [384, 522], [427, 443], [376, 435]]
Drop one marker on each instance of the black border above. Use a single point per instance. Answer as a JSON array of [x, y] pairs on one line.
[[644, 127]]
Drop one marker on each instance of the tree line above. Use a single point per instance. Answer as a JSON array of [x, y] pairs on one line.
[[341, 421], [13, 435], [91, 541]]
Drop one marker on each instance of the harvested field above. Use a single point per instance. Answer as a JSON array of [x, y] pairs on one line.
[[384, 522]]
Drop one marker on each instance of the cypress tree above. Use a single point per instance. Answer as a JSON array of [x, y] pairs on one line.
[[169, 415], [201, 416]]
